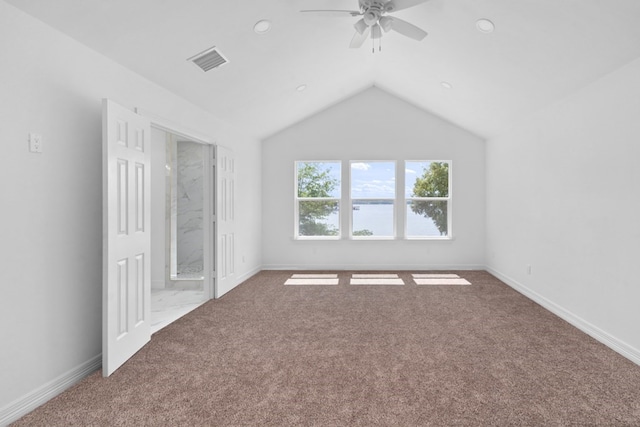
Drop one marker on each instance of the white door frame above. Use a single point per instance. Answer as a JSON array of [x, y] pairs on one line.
[[209, 191]]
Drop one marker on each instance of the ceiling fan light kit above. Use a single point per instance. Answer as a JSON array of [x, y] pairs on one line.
[[371, 17], [374, 20], [386, 22]]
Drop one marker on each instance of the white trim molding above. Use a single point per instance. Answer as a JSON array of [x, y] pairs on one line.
[[174, 128], [239, 280], [27, 403], [593, 331]]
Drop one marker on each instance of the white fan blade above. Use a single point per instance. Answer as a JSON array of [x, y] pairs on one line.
[[407, 29], [340, 13], [358, 39], [394, 5], [360, 26]]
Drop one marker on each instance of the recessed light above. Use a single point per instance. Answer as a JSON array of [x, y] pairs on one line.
[[485, 26], [262, 26], [446, 85], [301, 88]]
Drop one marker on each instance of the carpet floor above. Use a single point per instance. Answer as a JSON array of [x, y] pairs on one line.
[[267, 354]]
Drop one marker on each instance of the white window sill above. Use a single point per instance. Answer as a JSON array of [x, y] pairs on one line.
[[434, 238], [316, 238], [374, 239]]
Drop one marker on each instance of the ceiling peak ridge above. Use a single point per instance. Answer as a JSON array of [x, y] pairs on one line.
[[391, 92]]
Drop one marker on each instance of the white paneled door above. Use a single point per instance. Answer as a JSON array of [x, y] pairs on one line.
[[225, 216], [126, 235]]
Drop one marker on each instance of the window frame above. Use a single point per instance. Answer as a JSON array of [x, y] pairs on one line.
[[297, 200], [344, 201], [448, 199], [394, 201]]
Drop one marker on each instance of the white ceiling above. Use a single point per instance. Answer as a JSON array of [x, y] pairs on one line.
[[541, 51]]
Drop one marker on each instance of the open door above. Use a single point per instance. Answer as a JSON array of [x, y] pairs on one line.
[[225, 217], [126, 309]]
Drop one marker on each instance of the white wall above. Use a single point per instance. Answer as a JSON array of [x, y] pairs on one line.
[[158, 208], [373, 125], [51, 228], [563, 195]]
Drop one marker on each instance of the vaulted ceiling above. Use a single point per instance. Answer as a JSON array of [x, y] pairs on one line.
[[540, 51]]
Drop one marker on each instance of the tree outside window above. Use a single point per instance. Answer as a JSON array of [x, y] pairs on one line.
[[318, 199], [427, 199]]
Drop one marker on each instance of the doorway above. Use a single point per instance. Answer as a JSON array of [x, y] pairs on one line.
[[179, 205], [127, 186]]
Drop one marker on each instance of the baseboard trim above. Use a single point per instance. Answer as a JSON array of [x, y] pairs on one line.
[[373, 267], [249, 274], [239, 280], [593, 331], [27, 403]]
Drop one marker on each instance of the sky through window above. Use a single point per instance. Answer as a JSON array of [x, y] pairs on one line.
[[373, 180]]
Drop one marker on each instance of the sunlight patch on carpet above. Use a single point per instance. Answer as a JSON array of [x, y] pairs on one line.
[[376, 279], [314, 276], [439, 279], [374, 276], [435, 276], [313, 279]]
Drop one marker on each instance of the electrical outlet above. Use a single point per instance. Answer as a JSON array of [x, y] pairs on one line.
[[35, 143]]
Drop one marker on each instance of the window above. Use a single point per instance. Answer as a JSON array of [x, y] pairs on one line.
[[373, 202], [427, 199], [318, 199], [373, 196]]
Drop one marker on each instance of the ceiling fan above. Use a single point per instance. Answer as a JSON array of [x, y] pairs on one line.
[[375, 19]]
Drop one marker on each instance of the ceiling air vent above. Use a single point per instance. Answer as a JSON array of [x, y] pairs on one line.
[[209, 59]]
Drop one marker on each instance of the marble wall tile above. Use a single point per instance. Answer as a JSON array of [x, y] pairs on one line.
[[189, 207]]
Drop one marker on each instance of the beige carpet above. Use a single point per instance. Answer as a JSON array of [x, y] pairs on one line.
[[274, 355]]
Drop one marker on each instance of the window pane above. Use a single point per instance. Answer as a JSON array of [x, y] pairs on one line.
[[427, 179], [373, 180], [318, 218], [373, 218], [318, 179], [427, 218]]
